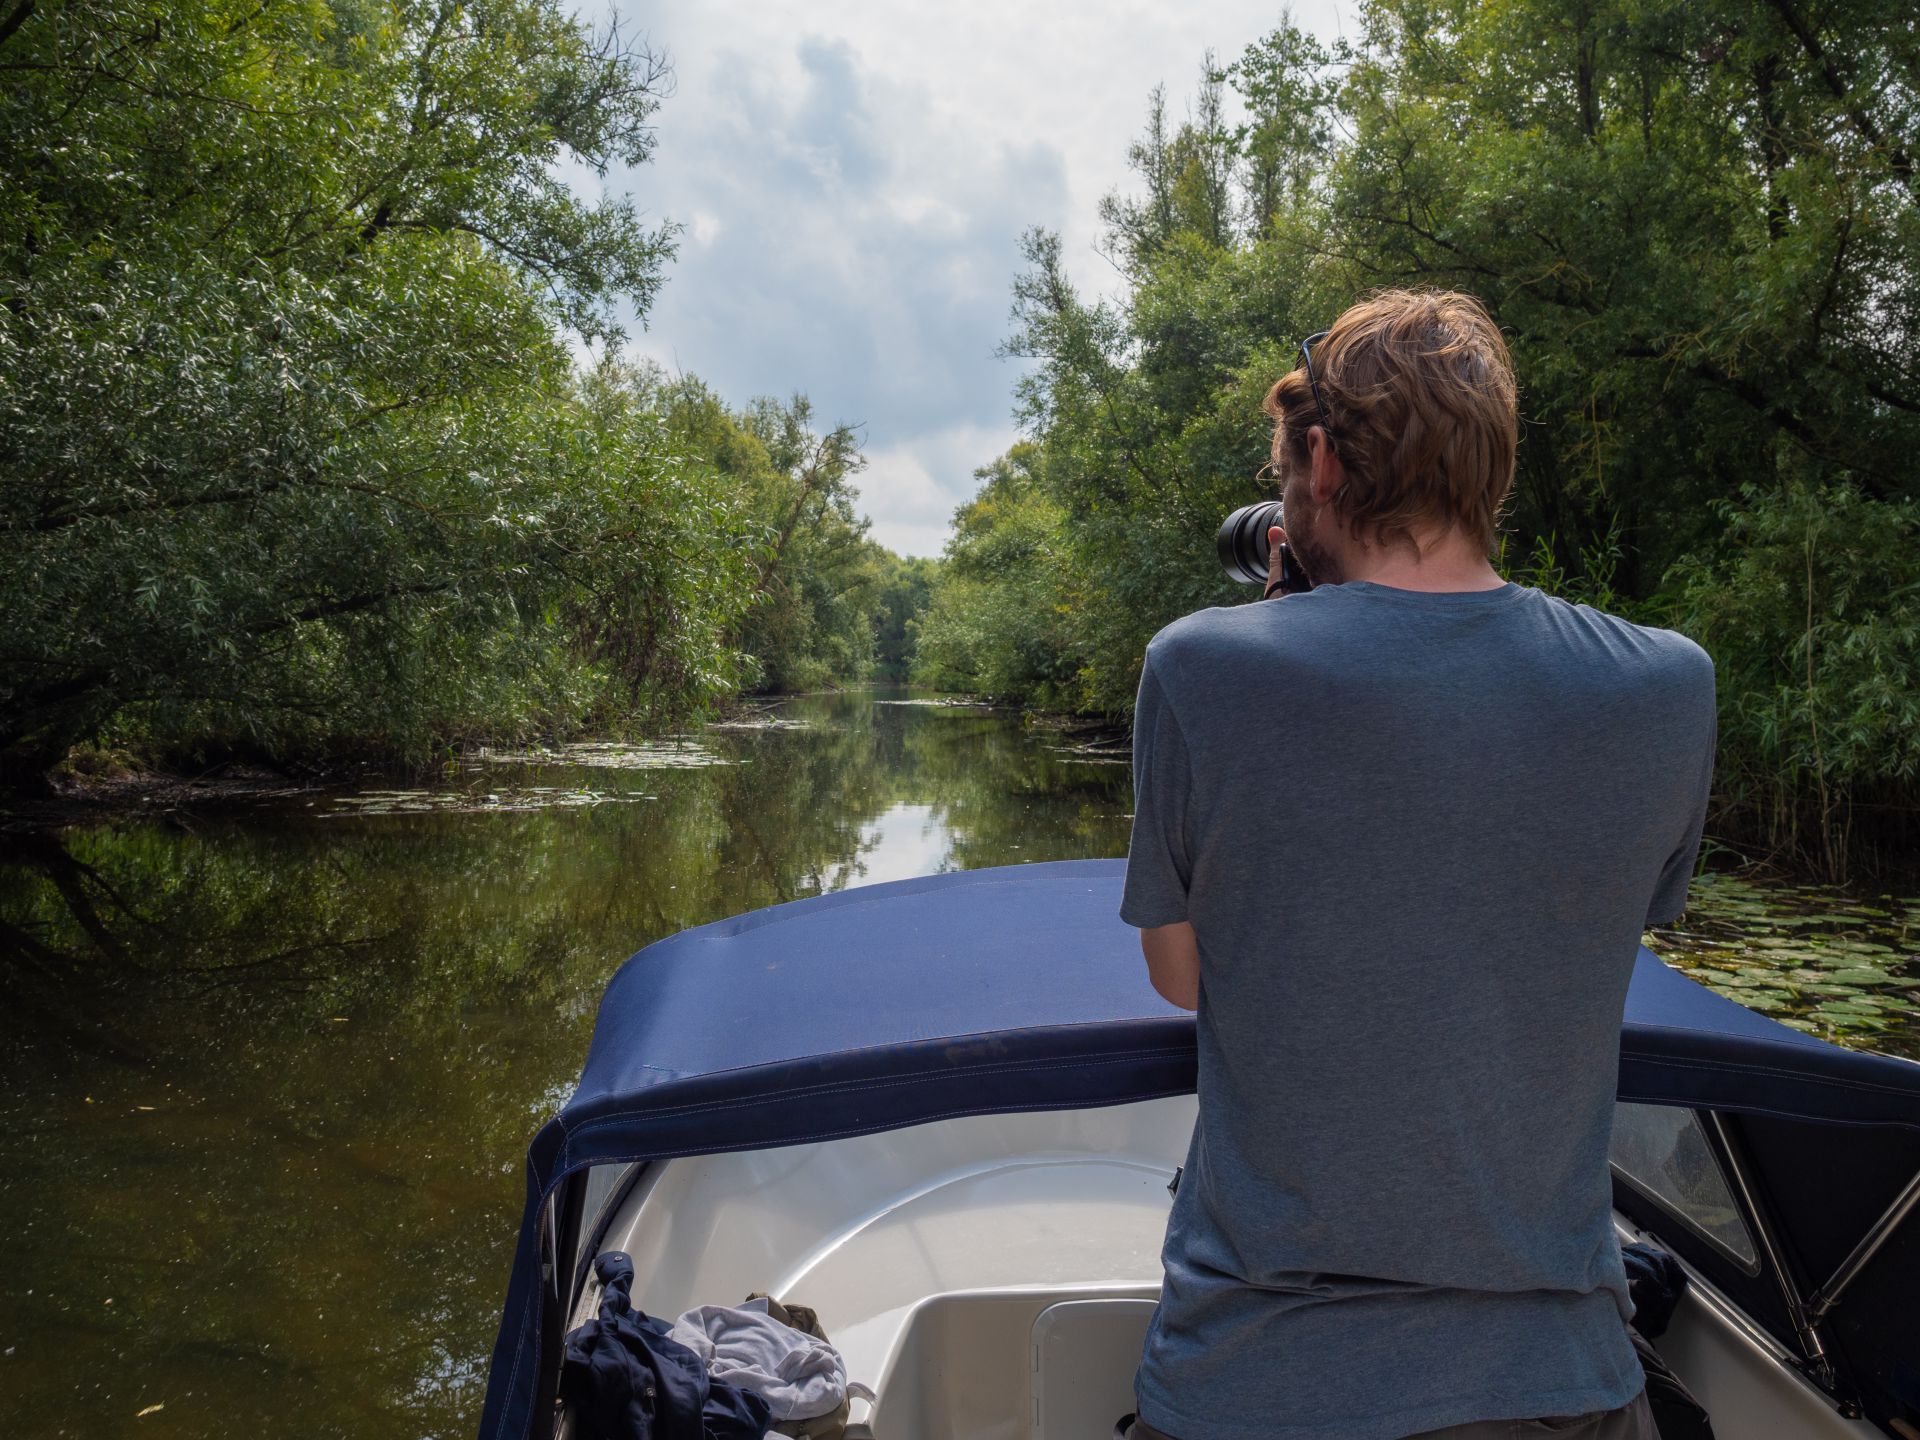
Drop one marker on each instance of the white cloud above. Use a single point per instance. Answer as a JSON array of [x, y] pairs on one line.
[[902, 490], [854, 178]]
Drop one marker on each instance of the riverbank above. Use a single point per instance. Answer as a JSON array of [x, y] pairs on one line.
[[122, 789], [96, 783]]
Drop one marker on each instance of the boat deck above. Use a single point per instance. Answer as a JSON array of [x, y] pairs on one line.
[[991, 1277]]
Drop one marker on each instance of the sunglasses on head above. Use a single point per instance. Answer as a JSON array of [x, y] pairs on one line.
[[1306, 355]]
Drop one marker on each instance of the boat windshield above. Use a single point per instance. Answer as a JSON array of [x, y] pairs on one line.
[[1663, 1151]]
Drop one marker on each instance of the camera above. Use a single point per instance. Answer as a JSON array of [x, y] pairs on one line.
[[1243, 548]]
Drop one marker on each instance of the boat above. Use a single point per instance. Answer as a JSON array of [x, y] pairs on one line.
[[946, 1113]]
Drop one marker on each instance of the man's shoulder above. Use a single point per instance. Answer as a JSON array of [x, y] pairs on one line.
[[1196, 632], [1324, 629], [1186, 653], [1667, 654], [1223, 631], [1683, 656]]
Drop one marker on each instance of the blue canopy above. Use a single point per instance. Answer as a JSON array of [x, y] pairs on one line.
[[991, 991]]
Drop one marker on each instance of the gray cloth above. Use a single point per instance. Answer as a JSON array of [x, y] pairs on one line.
[[1417, 837], [800, 1374]]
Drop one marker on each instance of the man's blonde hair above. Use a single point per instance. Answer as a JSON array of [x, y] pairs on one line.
[[1422, 409]]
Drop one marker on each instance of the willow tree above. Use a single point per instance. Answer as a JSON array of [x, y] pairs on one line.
[[816, 582], [291, 448]]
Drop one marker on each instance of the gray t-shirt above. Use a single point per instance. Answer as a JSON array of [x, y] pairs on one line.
[[1418, 837]]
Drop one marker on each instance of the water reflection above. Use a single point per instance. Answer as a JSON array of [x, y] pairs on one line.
[[269, 1082], [899, 843]]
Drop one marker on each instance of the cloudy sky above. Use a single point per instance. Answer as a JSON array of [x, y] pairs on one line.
[[854, 176]]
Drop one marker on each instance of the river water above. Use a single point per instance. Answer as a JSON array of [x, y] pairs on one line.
[[269, 1079]]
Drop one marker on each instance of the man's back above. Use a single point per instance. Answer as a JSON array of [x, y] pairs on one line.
[[1418, 836]]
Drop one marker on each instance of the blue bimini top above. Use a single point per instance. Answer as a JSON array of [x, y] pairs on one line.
[[993, 991]]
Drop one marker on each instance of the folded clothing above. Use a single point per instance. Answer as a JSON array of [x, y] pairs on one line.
[[799, 1375]]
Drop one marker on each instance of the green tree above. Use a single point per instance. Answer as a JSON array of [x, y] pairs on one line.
[[291, 451], [1700, 231], [813, 582], [813, 617], [1698, 228], [905, 590], [1811, 610], [1001, 621]]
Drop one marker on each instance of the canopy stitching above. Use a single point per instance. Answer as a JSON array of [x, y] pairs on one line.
[[849, 1086]]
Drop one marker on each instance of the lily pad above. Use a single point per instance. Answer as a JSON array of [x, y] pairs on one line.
[[1857, 947], [1860, 975], [374, 804], [615, 755]]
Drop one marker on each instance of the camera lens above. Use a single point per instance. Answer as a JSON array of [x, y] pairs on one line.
[[1242, 541]]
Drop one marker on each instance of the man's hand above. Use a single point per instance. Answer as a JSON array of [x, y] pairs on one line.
[[1173, 963], [1276, 537]]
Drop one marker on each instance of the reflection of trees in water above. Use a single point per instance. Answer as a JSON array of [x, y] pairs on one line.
[[276, 1078], [1011, 797], [287, 1072], [408, 910], [292, 920], [1006, 796], [141, 913]]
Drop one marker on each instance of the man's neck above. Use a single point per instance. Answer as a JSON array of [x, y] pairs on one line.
[[1446, 562]]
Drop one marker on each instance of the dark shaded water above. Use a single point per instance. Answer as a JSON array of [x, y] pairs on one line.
[[268, 1082]]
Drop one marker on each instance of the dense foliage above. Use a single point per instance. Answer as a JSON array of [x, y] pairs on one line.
[[1700, 229], [294, 455], [816, 578]]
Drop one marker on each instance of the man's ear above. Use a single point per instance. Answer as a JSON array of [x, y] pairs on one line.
[[1325, 473]]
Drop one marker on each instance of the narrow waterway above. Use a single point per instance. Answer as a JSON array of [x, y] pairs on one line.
[[269, 1079]]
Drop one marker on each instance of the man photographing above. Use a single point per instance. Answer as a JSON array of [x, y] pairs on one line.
[[1396, 839]]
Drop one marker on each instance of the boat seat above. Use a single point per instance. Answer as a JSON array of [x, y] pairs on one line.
[[1085, 1353], [1054, 1364]]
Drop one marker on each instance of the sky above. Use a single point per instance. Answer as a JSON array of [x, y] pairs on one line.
[[853, 178]]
